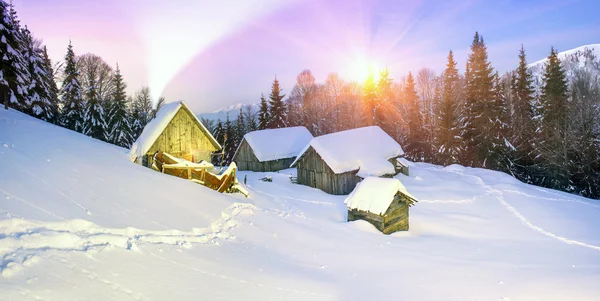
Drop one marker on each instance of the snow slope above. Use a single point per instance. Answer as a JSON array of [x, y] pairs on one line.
[[585, 57], [78, 221]]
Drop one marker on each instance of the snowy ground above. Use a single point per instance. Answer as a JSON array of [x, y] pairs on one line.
[[79, 222]]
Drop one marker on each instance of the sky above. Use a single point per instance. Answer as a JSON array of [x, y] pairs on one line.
[[214, 54]]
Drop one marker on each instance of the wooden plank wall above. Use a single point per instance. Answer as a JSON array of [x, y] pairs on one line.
[[314, 172], [394, 219], [245, 159], [183, 138]]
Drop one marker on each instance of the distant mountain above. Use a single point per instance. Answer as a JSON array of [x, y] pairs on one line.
[[583, 57], [233, 111]]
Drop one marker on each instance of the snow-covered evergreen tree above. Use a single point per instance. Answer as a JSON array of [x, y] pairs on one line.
[[250, 117], [228, 141], [38, 84], [219, 134], [50, 80], [72, 104], [13, 66], [448, 139], [263, 113], [119, 127], [415, 144], [240, 128], [554, 140], [584, 151], [277, 113], [522, 126], [481, 111], [94, 123]]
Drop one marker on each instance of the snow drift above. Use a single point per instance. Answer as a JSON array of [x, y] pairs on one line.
[[79, 221]]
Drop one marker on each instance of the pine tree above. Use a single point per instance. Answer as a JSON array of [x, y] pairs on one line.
[[119, 128], [480, 108], [584, 119], [72, 111], [277, 108], [94, 123], [263, 113], [136, 118], [522, 122], [448, 138], [498, 156], [51, 84], [229, 141], [415, 147], [554, 108], [219, 135], [13, 66], [240, 128], [251, 120], [38, 84]]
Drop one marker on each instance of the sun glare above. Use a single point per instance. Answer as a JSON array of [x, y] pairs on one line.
[[360, 69]]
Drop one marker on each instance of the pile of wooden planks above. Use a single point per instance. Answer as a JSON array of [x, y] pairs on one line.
[[199, 173]]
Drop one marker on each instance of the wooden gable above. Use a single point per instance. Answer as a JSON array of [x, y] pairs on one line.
[[313, 171], [184, 138]]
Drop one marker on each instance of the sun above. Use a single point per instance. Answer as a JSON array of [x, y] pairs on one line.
[[359, 69]]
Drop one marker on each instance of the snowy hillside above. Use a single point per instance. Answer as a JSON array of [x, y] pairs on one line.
[[583, 57], [233, 111], [78, 221]]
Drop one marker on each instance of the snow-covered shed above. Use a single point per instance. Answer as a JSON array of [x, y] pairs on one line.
[[176, 131], [271, 149], [382, 202], [336, 162]]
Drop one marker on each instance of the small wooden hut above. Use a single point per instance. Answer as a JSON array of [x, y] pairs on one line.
[[177, 131], [336, 162], [383, 202], [271, 149]]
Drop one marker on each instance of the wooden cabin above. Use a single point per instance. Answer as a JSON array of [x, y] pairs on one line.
[[271, 149], [383, 202], [176, 131], [336, 162]]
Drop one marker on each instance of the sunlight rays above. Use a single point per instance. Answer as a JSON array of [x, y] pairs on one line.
[[173, 36]]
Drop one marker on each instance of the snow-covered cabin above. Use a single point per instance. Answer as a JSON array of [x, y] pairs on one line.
[[336, 162], [382, 202], [177, 131], [271, 149]]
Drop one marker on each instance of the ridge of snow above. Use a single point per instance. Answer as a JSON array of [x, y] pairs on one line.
[[375, 195], [274, 144], [595, 48], [365, 149]]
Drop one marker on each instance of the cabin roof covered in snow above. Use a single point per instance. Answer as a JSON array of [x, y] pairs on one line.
[[157, 125], [375, 195], [274, 144], [365, 149]]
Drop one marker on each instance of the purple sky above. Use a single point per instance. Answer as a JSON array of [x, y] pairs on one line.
[[217, 53]]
